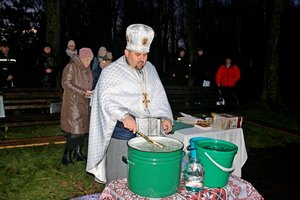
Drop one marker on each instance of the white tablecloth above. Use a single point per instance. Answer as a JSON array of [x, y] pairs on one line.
[[235, 136]]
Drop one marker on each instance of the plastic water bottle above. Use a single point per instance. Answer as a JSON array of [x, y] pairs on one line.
[[193, 175]]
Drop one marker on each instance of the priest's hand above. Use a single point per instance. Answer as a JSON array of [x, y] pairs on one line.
[[167, 125], [129, 123]]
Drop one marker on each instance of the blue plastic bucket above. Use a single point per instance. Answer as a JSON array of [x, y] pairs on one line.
[[192, 146]]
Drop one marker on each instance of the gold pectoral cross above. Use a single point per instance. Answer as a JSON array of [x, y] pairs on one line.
[[146, 101]]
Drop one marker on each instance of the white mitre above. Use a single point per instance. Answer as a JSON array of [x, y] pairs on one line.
[[139, 37]]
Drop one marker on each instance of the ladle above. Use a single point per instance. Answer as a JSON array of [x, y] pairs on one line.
[[150, 140]]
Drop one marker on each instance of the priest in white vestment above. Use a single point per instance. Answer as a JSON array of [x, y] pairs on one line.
[[128, 97]]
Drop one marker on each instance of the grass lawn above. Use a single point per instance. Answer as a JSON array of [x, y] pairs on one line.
[[32, 131], [37, 173]]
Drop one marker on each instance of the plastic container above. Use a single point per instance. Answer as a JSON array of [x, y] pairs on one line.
[[193, 175], [192, 146], [216, 157]]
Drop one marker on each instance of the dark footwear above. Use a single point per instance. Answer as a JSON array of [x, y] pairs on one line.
[[78, 154], [67, 157], [78, 149]]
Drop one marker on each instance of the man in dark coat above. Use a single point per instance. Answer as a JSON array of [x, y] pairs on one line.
[[7, 66], [201, 71], [180, 74]]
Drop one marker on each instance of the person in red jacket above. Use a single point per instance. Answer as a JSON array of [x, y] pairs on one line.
[[228, 74], [227, 78]]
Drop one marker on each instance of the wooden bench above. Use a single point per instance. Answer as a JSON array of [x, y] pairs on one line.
[[36, 106], [193, 100], [30, 106]]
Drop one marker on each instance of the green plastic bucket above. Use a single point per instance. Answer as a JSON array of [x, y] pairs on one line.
[[216, 157], [154, 172]]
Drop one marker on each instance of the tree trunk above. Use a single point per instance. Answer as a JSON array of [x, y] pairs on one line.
[[192, 27], [53, 25], [101, 25], [271, 96]]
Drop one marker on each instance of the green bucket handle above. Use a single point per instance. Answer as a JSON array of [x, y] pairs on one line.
[[126, 160], [218, 165]]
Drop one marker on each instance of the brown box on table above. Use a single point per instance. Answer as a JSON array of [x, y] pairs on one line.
[[226, 121]]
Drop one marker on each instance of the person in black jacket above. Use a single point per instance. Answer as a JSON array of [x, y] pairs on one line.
[[100, 63], [7, 66], [47, 67], [201, 72], [180, 72]]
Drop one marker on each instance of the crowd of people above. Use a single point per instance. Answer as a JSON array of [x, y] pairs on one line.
[[45, 68], [109, 101], [182, 72], [200, 72]]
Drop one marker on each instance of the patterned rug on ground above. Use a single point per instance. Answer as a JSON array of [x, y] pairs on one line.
[[88, 197]]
